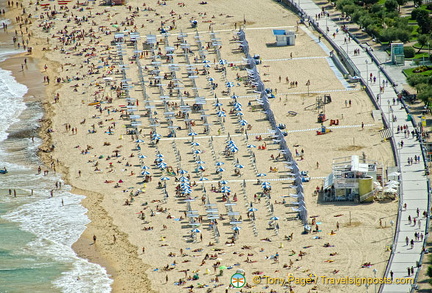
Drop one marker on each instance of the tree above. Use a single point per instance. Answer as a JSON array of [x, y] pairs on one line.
[[418, 3], [391, 5], [424, 21], [403, 35], [422, 40], [400, 3]]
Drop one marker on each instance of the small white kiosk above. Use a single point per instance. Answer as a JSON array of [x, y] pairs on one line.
[[284, 38]]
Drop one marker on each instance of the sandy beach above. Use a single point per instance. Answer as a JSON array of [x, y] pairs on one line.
[[151, 234]]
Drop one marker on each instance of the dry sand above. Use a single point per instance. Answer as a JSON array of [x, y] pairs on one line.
[[88, 160]]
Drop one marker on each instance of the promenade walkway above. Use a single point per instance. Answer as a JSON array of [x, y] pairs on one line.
[[413, 182]]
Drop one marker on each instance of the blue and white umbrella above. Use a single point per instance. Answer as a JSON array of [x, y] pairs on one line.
[[252, 210], [237, 104], [139, 140], [222, 62], [234, 97], [197, 152], [218, 104], [219, 163], [229, 84], [261, 174], [184, 179], [239, 114], [159, 155], [223, 182], [225, 189], [162, 165], [243, 122], [236, 228], [192, 133], [196, 230], [165, 178], [203, 179], [201, 168], [156, 136], [200, 162], [234, 149], [249, 146], [145, 167], [210, 79], [221, 114], [206, 61], [207, 65], [145, 173], [195, 144], [239, 166], [183, 172], [142, 157], [159, 160], [274, 218], [220, 169]]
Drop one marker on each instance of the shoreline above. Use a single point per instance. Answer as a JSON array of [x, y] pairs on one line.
[[32, 78]]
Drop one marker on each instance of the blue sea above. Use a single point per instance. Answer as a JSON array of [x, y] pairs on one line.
[[36, 231]]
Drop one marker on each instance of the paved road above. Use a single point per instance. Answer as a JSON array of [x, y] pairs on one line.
[[414, 187]]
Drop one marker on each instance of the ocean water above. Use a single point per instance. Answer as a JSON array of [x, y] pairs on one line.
[[36, 231]]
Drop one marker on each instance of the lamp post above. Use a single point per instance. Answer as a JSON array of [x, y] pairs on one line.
[[375, 272]]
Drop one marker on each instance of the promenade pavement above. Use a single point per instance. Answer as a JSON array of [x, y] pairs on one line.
[[413, 182]]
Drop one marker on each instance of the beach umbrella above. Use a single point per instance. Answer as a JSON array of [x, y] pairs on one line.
[[237, 104], [144, 173], [183, 171], [229, 84], [139, 140], [252, 210], [145, 167], [220, 169], [234, 97], [162, 165], [203, 179], [206, 61], [197, 152], [221, 114], [225, 189], [239, 114], [159, 160], [195, 144], [192, 133], [218, 104], [159, 155], [201, 168], [223, 182], [196, 230], [219, 163], [236, 228], [251, 146], [274, 218], [234, 149], [200, 162], [183, 179], [239, 166], [243, 122], [142, 157], [222, 62], [165, 178], [261, 174]]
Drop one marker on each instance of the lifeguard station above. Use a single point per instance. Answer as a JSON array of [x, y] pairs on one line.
[[284, 38]]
